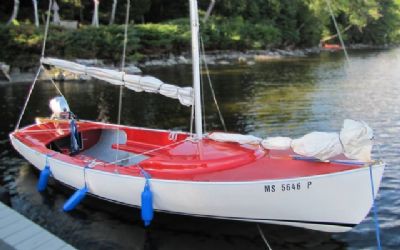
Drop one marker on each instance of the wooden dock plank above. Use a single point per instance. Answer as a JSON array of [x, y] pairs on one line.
[[54, 243], [4, 212], [36, 240], [13, 228], [7, 215], [22, 234], [9, 220], [67, 247]]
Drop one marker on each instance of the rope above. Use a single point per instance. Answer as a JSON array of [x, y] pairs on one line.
[[125, 35], [27, 99], [84, 174], [379, 151], [338, 31], [263, 237], [376, 220], [211, 86], [52, 81]]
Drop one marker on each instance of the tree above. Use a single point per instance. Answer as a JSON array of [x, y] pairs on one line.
[[356, 12], [56, 15], [95, 19], [140, 8], [35, 10], [15, 12], [114, 8]]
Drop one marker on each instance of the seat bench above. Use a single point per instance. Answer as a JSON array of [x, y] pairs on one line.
[[139, 148]]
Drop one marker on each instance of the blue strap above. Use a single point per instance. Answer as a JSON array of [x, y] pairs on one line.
[[74, 147], [145, 175], [377, 227], [313, 159]]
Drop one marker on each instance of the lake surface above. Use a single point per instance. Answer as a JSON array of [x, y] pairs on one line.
[[287, 97]]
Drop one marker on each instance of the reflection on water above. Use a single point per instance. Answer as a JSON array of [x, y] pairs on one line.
[[282, 97]]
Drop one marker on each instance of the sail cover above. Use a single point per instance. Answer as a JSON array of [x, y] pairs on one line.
[[137, 83]]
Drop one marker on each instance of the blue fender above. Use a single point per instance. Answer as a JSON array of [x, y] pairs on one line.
[[75, 199], [43, 178], [147, 205]]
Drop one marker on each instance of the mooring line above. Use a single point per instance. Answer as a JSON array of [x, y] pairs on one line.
[[375, 212], [263, 237]]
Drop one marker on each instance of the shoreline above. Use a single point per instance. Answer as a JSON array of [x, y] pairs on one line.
[[217, 57]]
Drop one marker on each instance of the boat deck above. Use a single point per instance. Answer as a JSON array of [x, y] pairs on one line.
[[179, 159], [17, 232]]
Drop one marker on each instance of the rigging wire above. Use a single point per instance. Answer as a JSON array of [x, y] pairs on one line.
[[375, 211], [52, 81], [191, 119], [203, 53], [27, 99], [128, 5], [328, 2], [39, 69], [202, 98], [211, 86], [46, 30]]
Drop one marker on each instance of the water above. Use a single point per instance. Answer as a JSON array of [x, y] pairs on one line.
[[287, 97]]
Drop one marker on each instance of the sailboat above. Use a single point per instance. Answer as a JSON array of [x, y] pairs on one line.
[[196, 174]]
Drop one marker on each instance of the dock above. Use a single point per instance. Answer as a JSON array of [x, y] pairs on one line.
[[18, 232]]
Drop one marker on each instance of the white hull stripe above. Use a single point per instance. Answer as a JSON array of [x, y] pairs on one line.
[[339, 224]]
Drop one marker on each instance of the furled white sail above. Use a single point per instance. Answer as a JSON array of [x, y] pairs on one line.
[[137, 83]]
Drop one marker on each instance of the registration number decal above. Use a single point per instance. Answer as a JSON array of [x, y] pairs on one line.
[[287, 187]]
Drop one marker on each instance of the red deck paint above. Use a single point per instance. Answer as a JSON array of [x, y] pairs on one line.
[[184, 159]]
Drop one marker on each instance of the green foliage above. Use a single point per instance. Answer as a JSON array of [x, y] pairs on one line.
[[234, 24], [23, 41], [236, 33], [87, 42], [105, 42], [163, 37], [383, 30]]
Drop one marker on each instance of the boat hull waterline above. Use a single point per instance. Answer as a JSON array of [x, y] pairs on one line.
[[333, 202]]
